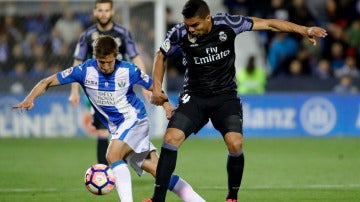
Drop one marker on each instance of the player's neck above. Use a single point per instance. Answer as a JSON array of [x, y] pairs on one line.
[[106, 27]]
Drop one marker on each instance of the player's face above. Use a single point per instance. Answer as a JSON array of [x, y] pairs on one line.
[[198, 26], [106, 64], [103, 13]]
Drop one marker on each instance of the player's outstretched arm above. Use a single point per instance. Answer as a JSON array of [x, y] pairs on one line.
[[74, 97], [311, 33], [39, 89], [157, 97]]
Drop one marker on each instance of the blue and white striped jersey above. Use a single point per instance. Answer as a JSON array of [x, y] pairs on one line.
[[112, 95]]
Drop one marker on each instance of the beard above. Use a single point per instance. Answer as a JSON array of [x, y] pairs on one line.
[[103, 24]]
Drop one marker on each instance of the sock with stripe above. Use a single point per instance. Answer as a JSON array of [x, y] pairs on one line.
[[122, 180]]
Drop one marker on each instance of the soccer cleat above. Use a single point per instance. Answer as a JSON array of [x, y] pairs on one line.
[[231, 200], [147, 200]]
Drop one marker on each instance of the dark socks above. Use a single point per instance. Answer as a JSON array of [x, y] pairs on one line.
[[102, 145], [165, 168], [235, 168]]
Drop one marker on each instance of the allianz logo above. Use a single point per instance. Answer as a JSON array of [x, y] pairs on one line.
[[318, 116]]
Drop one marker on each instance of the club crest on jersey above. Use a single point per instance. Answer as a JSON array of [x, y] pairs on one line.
[[166, 45], [66, 72], [222, 36], [122, 83]]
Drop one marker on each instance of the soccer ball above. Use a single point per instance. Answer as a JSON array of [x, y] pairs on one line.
[[99, 179]]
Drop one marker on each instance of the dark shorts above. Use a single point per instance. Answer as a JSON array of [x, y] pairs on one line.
[[97, 122], [193, 112]]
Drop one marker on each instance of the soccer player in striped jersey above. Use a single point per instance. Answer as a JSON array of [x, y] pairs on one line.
[[208, 48], [103, 13], [108, 84]]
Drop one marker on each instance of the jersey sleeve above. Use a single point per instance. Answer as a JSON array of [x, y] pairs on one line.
[[81, 48], [70, 75], [173, 40], [130, 45], [140, 78], [238, 23]]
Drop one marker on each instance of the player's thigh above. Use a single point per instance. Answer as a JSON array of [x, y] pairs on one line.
[[228, 116], [189, 117], [117, 150]]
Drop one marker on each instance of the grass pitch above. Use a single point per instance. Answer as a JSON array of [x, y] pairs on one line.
[[276, 169]]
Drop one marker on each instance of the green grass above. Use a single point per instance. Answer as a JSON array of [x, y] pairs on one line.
[[277, 169]]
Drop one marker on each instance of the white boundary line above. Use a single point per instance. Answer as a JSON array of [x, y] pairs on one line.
[[313, 186]]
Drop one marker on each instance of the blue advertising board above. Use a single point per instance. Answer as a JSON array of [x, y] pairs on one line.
[[296, 115], [264, 116], [52, 116]]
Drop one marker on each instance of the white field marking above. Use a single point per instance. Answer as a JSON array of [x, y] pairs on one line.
[[314, 186], [311, 186]]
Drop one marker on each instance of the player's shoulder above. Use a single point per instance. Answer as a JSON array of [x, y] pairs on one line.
[[124, 64], [90, 30], [120, 29], [178, 31], [238, 23]]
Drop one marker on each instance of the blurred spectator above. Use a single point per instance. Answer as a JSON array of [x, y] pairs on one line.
[[53, 43], [296, 68], [5, 51], [318, 10], [31, 40], [39, 69], [323, 69], [349, 68], [337, 55], [251, 79], [19, 71], [13, 32], [169, 19], [300, 14], [17, 55], [352, 34], [283, 48], [39, 24], [345, 85], [237, 7], [69, 27]]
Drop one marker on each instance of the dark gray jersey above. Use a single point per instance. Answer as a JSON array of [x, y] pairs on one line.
[[127, 46], [209, 59]]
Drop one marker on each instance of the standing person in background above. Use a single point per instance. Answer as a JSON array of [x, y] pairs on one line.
[[103, 13], [251, 79], [210, 88], [108, 84]]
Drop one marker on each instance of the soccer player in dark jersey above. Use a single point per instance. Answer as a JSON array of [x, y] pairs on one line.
[[103, 13], [210, 89]]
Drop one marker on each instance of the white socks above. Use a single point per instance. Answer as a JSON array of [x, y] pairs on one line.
[[122, 180], [124, 185], [181, 188]]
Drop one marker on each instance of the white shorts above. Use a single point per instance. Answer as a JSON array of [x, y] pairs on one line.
[[136, 135]]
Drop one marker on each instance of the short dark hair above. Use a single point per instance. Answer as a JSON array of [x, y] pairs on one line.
[[105, 45], [104, 1], [194, 8]]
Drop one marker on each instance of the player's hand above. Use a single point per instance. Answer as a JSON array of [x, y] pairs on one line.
[[315, 32], [158, 98], [168, 109], [26, 104], [74, 98]]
